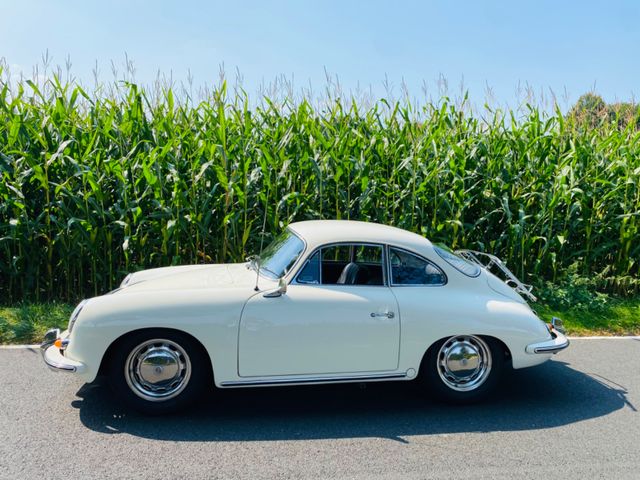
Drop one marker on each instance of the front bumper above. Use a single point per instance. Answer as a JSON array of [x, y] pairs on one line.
[[53, 357], [558, 343]]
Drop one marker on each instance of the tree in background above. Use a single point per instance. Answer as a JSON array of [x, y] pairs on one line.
[[591, 110]]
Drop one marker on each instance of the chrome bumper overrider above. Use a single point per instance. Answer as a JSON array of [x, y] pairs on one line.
[[556, 344], [52, 356]]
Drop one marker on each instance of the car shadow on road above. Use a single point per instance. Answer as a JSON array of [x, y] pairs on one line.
[[550, 395]]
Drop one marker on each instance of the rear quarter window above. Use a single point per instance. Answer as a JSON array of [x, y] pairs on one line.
[[457, 262], [410, 269]]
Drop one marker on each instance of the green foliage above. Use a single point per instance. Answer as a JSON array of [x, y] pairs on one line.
[[585, 308], [28, 323], [94, 186], [574, 293]]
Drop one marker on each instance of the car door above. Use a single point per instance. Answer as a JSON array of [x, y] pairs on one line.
[[337, 317]]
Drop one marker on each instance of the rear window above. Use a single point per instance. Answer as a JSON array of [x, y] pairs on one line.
[[457, 262]]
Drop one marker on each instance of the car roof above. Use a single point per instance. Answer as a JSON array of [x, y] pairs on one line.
[[321, 232]]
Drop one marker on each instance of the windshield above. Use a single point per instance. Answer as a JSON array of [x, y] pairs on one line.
[[277, 259]]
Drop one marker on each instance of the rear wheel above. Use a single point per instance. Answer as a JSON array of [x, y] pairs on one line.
[[464, 368], [158, 371]]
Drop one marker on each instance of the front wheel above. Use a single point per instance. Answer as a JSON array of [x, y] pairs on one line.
[[158, 372], [464, 368]]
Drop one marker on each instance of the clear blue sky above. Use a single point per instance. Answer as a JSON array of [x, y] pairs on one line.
[[501, 43]]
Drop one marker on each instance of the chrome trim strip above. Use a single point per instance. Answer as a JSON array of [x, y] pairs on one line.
[[57, 367], [552, 348], [310, 380]]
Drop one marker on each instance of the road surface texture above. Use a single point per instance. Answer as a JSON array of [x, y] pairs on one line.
[[574, 417]]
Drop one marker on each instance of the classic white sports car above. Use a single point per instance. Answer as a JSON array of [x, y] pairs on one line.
[[327, 301]]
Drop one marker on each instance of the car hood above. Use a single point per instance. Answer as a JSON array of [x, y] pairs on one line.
[[192, 277]]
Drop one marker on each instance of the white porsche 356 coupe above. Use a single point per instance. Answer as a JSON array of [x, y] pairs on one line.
[[327, 301]]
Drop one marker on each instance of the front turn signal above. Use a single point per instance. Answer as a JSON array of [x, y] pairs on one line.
[[60, 343]]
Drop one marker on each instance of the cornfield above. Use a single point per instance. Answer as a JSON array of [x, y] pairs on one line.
[[95, 186]]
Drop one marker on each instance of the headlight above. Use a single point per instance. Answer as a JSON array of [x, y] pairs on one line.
[[74, 315], [126, 280]]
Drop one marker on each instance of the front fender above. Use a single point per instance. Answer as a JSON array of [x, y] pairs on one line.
[[210, 316]]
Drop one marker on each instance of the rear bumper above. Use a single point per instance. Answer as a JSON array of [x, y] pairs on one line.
[[53, 357], [555, 345]]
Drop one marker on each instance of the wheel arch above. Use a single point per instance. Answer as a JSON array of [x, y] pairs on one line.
[[106, 357], [437, 343]]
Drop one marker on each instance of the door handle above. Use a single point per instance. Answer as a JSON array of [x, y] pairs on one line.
[[385, 314]]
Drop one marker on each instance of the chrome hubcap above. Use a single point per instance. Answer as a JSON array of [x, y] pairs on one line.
[[157, 370], [464, 362]]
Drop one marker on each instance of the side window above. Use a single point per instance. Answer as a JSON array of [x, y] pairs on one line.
[[310, 273], [334, 259], [337, 253], [409, 269], [367, 263], [368, 254], [343, 264]]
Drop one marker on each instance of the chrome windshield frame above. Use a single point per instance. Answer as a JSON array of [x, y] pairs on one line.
[[255, 261]]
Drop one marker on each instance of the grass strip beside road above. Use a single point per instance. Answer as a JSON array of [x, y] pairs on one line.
[[27, 323], [621, 317]]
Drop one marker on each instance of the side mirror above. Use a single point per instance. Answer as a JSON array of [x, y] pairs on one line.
[[278, 292]]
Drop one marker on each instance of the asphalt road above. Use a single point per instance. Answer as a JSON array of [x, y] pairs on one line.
[[574, 417]]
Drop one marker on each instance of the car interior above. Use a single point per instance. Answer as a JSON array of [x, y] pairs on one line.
[[345, 265], [408, 269], [351, 273]]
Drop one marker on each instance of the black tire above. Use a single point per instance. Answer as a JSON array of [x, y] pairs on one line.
[[133, 358], [437, 380]]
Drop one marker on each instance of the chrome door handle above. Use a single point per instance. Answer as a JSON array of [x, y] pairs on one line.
[[386, 314]]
